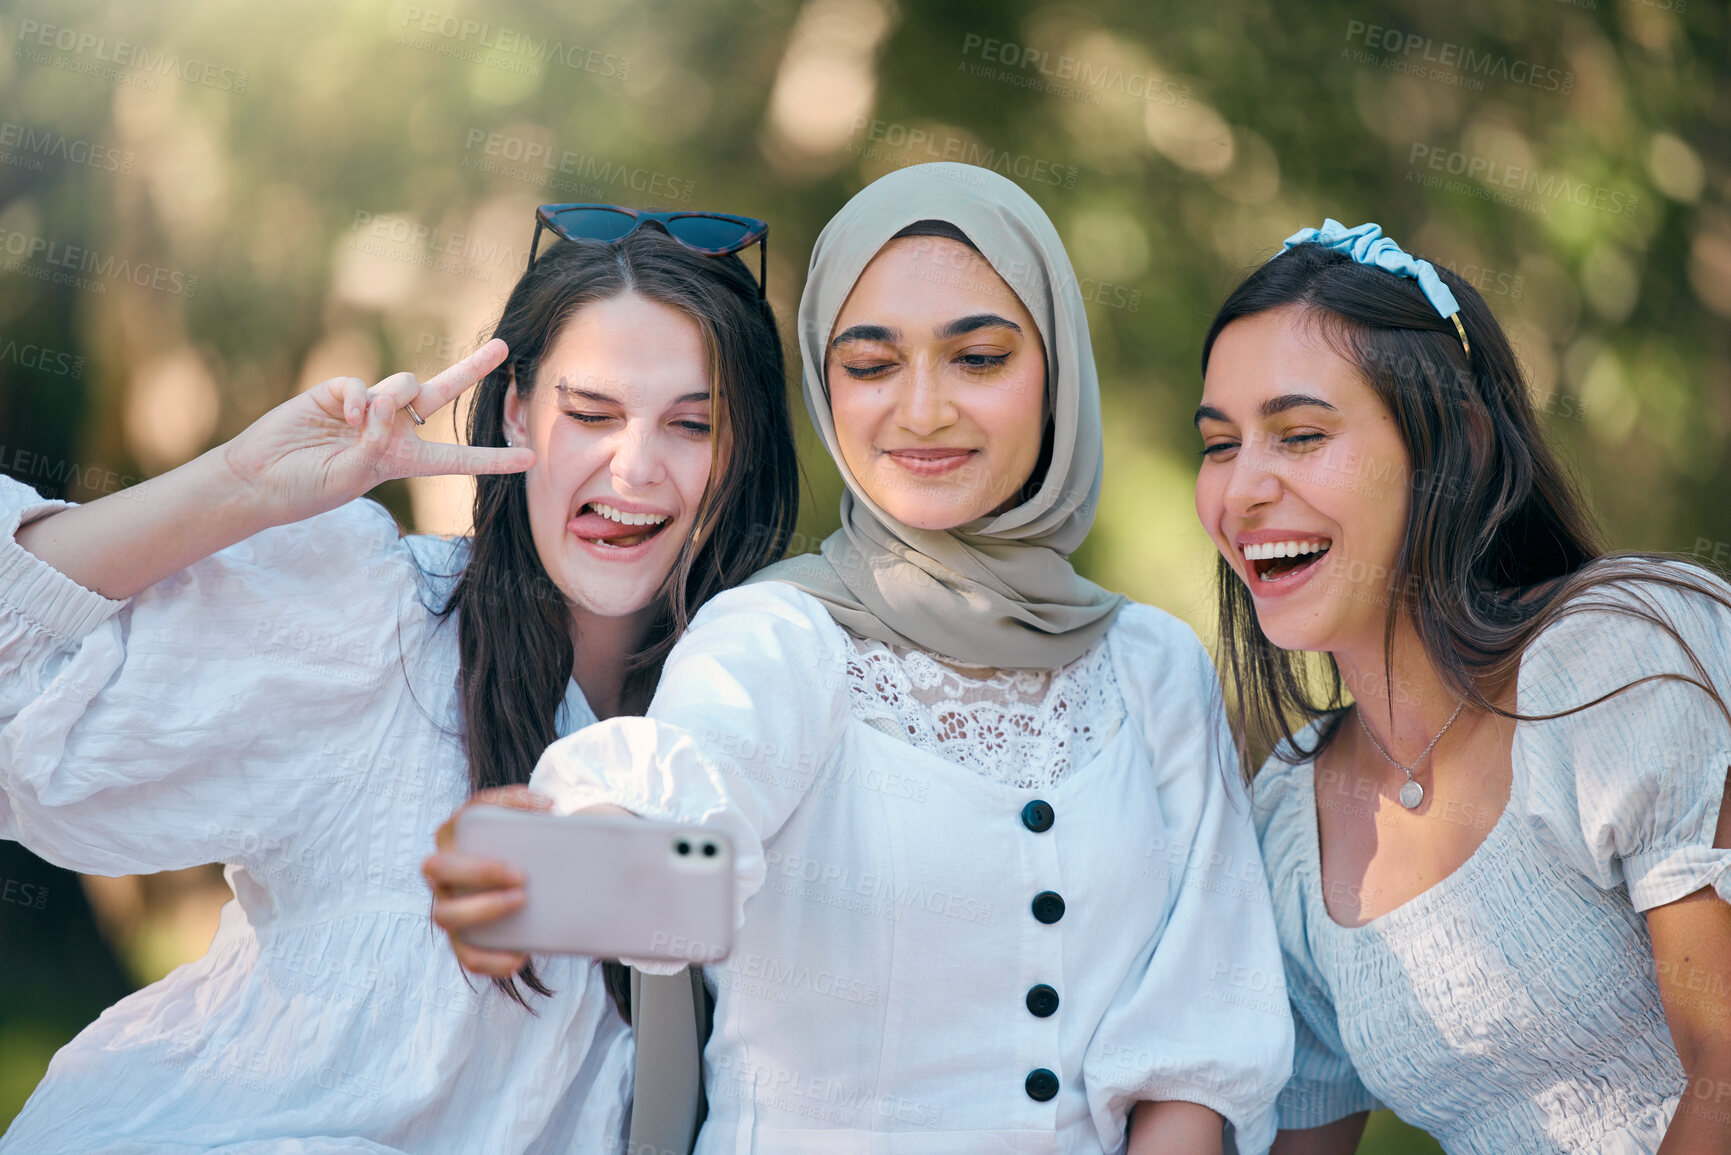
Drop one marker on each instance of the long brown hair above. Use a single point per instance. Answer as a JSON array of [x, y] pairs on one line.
[[514, 625], [1498, 544]]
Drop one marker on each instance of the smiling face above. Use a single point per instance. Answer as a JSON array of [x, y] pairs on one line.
[[937, 385], [1304, 483], [620, 421]]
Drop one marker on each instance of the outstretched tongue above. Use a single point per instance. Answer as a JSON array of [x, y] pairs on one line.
[[591, 525]]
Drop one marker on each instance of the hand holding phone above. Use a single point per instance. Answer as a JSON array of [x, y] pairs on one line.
[[605, 886]]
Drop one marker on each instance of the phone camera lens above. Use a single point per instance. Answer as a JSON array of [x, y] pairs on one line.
[[709, 850], [682, 846]]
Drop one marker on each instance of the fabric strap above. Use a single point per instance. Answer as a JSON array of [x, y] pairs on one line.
[[671, 1019]]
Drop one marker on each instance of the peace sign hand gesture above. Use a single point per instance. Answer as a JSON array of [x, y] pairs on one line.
[[339, 439], [320, 450]]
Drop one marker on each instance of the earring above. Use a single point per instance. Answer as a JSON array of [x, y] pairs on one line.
[[509, 444]]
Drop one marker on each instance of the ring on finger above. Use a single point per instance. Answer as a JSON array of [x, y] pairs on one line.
[[419, 420]]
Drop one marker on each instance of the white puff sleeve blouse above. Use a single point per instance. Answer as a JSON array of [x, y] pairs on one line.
[[286, 707], [933, 957]]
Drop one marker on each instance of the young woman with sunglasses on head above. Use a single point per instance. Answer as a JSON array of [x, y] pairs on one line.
[[1501, 872], [238, 661], [999, 885]]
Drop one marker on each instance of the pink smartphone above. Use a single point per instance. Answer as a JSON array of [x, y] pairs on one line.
[[607, 886]]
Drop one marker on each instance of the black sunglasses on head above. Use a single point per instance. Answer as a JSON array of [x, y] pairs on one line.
[[712, 234]]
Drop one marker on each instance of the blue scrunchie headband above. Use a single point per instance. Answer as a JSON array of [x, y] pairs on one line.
[[1366, 245]]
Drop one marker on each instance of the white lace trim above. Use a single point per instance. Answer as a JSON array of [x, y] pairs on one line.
[[1021, 728]]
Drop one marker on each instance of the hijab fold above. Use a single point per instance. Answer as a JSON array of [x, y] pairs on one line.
[[999, 591]]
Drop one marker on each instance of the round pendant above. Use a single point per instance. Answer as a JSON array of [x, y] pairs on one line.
[[1411, 794]]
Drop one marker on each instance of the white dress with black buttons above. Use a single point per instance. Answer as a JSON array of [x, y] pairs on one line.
[[978, 914]]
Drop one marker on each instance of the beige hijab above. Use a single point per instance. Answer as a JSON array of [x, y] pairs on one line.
[[998, 591]]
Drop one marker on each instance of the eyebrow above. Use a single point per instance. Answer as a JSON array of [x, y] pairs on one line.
[[1268, 408], [864, 333], [976, 321], [607, 399], [961, 326]]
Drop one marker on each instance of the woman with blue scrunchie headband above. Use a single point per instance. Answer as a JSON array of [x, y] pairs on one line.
[[1500, 843]]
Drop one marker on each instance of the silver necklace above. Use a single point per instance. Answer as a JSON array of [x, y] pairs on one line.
[[1411, 793]]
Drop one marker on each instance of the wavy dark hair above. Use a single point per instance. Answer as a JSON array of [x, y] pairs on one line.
[[515, 634], [1498, 545]]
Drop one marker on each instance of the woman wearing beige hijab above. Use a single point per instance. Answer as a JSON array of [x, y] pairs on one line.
[[1000, 889]]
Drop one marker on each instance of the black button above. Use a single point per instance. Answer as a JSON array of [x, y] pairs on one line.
[[1042, 1000], [1041, 1084], [1048, 906], [1037, 816]]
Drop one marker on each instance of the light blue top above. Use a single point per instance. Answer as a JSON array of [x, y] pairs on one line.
[[1512, 1007]]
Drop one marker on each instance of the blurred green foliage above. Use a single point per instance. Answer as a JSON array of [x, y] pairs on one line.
[[205, 205]]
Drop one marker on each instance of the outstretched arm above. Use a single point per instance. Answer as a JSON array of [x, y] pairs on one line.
[[310, 454], [747, 716]]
